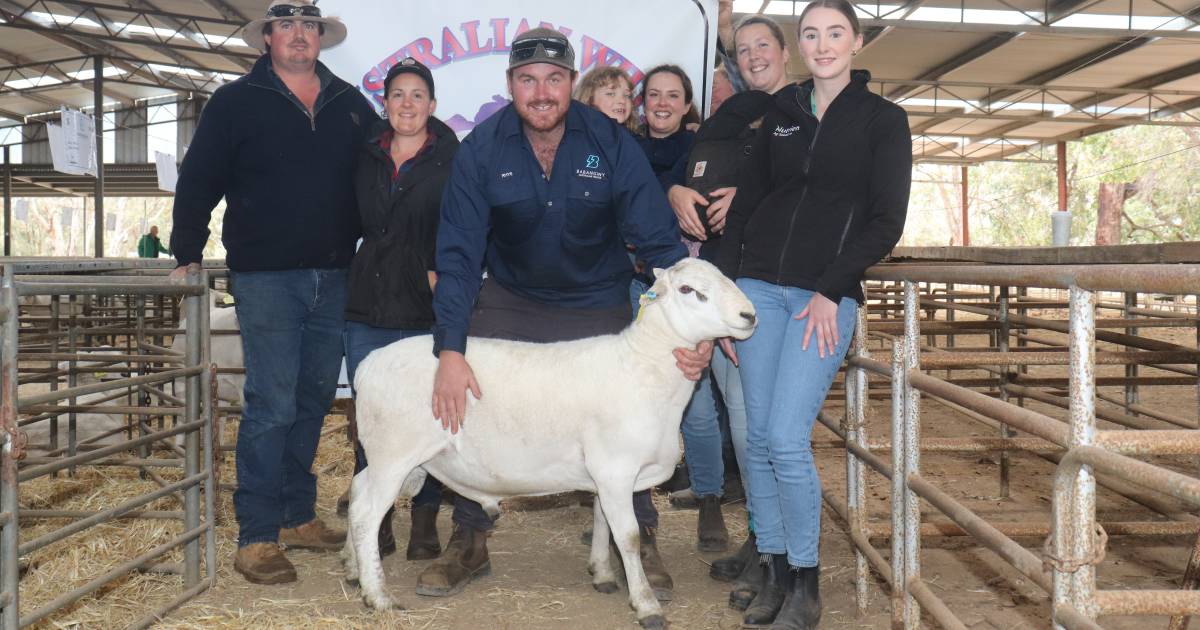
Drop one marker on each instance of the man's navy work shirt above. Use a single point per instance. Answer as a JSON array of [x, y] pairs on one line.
[[559, 241]]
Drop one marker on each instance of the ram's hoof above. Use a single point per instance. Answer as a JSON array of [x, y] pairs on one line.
[[653, 622], [607, 588], [382, 603]]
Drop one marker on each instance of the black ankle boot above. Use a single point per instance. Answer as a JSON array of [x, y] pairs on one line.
[[728, 569], [387, 540], [802, 608], [748, 583], [778, 581]]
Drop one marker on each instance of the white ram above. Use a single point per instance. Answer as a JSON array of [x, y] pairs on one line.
[[600, 414]]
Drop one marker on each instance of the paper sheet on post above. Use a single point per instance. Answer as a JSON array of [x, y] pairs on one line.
[[168, 173], [73, 143]]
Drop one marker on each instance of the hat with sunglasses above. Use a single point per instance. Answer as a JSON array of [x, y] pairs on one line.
[[333, 33], [541, 45], [408, 65]]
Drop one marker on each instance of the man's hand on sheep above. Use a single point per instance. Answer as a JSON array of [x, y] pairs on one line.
[[693, 362], [454, 377]]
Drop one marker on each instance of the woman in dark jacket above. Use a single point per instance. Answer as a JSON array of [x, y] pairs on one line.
[[401, 172], [823, 197]]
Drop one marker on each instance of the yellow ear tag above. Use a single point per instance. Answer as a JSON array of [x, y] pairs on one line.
[[643, 301], [228, 299]]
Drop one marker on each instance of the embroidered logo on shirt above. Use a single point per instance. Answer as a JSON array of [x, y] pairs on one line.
[[783, 132], [506, 175], [593, 161], [699, 170], [590, 174]]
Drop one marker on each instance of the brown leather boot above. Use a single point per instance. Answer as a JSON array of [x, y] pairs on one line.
[[423, 537], [465, 559], [314, 535], [264, 563], [711, 534], [652, 565]]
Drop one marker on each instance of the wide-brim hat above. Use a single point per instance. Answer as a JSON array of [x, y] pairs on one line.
[[335, 30]]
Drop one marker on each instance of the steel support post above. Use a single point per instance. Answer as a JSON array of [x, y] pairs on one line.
[[1074, 539], [208, 388], [195, 305], [9, 558], [8, 194], [1002, 337], [912, 455], [98, 208], [856, 433], [1131, 370], [899, 594]]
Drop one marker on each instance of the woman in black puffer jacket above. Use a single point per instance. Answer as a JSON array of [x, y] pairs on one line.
[[401, 172], [822, 197]]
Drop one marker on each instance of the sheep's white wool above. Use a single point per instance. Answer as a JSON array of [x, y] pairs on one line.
[[599, 414]]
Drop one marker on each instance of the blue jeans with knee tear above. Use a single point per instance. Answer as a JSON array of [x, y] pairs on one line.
[[785, 387], [291, 324]]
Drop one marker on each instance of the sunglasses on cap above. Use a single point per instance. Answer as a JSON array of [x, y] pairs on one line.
[[289, 10], [556, 48]]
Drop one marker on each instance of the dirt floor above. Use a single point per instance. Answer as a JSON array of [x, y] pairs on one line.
[[539, 575]]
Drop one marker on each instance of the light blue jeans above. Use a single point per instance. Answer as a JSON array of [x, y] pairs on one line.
[[784, 388], [728, 380]]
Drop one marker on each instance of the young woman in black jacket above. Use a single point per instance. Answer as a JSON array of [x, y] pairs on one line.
[[823, 197], [401, 172]]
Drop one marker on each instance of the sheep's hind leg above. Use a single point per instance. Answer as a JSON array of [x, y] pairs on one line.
[[599, 563], [373, 491], [618, 508]]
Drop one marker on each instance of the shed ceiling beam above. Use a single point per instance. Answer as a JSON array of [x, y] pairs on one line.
[[1060, 9], [227, 11], [1075, 64], [970, 27], [967, 56], [875, 34], [187, 31], [13, 19], [131, 16], [40, 68]]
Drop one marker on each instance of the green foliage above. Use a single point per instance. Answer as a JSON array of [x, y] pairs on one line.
[[1010, 203]]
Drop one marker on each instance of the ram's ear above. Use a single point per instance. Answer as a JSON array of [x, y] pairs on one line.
[[661, 286]]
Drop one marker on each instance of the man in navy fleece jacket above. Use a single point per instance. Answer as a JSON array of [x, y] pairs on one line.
[[279, 144]]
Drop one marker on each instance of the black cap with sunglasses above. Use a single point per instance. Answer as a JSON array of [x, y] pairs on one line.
[[541, 45], [408, 65]]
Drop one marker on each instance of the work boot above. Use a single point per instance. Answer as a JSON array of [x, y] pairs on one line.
[[423, 536], [728, 568], [387, 540], [778, 581], [314, 535], [802, 607], [711, 534], [343, 503], [748, 583], [679, 479], [465, 559], [685, 499], [652, 565], [264, 563]]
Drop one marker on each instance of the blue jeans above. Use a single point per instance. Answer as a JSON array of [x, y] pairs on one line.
[[291, 324], [701, 429], [785, 388], [360, 340], [728, 380]]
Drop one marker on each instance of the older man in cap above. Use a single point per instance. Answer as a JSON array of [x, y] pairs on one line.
[[279, 144], [545, 194]]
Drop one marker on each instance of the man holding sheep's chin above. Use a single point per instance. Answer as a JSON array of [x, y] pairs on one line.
[[544, 195]]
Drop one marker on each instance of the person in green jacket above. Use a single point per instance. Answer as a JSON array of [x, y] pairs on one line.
[[150, 246]]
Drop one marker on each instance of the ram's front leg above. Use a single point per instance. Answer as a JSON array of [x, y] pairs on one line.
[[599, 563], [617, 502]]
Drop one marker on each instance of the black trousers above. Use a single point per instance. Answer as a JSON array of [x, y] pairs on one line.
[[502, 314]]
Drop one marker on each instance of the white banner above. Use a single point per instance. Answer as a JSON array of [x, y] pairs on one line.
[[465, 43]]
